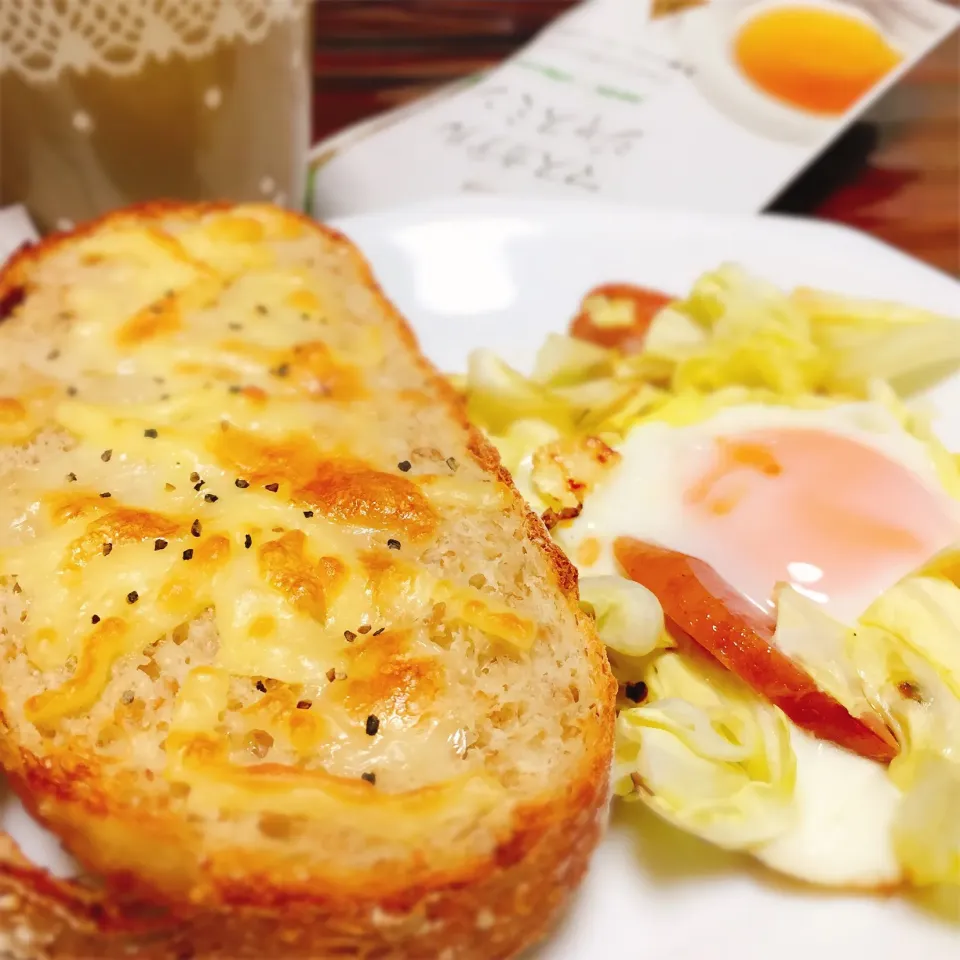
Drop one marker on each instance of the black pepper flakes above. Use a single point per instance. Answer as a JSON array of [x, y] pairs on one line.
[[160, 544], [283, 370], [210, 497], [371, 778], [331, 674], [194, 477], [234, 388], [261, 686], [349, 636], [373, 725], [452, 464], [364, 629], [241, 483], [105, 495], [94, 619], [308, 513], [272, 487], [107, 549], [404, 466], [199, 484], [150, 433], [393, 544], [133, 596], [262, 309], [377, 633], [196, 527], [106, 455], [127, 697], [72, 477], [248, 541], [637, 692], [304, 704], [188, 553], [71, 391]]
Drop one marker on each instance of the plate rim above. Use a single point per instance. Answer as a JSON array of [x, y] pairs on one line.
[[501, 206]]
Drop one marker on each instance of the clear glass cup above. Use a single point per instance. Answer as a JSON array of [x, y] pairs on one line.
[[109, 102]]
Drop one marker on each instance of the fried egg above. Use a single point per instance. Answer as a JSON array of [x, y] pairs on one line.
[[839, 502], [817, 57]]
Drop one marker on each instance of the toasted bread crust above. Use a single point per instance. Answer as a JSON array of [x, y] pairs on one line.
[[494, 914], [490, 908]]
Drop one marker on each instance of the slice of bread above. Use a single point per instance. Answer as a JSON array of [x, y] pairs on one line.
[[287, 663]]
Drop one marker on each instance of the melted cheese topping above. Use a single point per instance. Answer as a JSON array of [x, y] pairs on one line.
[[199, 759], [218, 456]]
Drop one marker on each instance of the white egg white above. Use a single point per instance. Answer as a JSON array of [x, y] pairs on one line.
[[845, 810]]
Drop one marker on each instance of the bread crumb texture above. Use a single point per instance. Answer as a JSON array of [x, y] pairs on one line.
[[276, 631]]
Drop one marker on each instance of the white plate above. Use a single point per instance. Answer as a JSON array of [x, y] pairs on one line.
[[502, 274]]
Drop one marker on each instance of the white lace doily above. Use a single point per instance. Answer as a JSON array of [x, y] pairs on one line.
[[39, 39]]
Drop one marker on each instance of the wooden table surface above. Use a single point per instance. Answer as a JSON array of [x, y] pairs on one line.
[[895, 175]]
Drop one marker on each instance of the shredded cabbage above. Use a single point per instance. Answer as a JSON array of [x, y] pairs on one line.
[[707, 754], [734, 339], [872, 339], [924, 613], [629, 617], [563, 361], [911, 695], [906, 653], [628, 408], [734, 328], [756, 337], [926, 832], [497, 396]]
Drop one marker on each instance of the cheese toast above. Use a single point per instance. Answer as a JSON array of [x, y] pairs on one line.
[[285, 660]]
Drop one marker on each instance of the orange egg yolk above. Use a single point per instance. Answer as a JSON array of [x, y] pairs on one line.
[[817, 510], [818, 60]]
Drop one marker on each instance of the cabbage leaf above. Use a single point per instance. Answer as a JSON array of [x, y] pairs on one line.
[[629, 617], [707, 754]]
